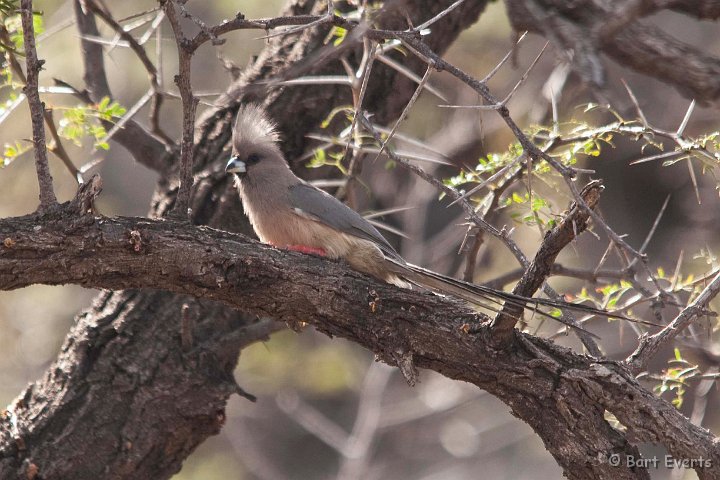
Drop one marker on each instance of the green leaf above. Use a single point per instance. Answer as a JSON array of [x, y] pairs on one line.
[[12, 152], [13, 24], [339, 33], [538, 203], [319, 159]]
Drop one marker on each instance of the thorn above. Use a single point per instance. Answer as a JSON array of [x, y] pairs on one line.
[[681, 128]]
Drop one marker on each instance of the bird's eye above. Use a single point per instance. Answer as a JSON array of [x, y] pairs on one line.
[[253, 158]]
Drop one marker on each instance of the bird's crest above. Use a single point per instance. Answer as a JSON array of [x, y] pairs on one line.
[[253, 127]]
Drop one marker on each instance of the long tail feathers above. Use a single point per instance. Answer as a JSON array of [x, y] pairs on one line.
[[489, 298]]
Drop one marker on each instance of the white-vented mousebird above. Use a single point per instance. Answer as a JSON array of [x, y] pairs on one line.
[[288, 212]]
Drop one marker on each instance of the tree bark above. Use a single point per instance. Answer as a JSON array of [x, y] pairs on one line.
[[122, 401], [119, 382], [591, 27], [145, 373]]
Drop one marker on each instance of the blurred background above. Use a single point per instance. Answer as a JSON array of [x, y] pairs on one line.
[[325, 408]]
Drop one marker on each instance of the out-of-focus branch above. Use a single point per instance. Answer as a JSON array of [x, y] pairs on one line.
[[702, 9], [574, 26], [37, 109], [651, 51], [145, 148], [58, 148], [147, 64]]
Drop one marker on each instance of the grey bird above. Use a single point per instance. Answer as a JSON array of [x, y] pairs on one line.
[[287, 212]]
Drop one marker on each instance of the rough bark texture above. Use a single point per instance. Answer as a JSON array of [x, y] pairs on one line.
[[88, 417], [563, 396], [144, 375]]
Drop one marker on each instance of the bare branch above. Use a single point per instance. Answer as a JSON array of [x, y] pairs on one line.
[[248, 275], [649, 346], [411, 75], [147, 64], [406, 110], [558, 238], [37, 108], [189, 103], [359, 96], [58, 148], [145, 148], [439, 16], [504, 59]]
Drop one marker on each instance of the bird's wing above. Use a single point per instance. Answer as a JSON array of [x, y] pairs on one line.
[[313, 203]]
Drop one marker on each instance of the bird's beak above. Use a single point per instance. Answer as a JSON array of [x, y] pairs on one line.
[[235, 165]]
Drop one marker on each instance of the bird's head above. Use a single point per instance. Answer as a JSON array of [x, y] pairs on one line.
[[254, 141]]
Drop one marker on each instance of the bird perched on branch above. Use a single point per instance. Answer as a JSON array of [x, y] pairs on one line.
[[287, 212]]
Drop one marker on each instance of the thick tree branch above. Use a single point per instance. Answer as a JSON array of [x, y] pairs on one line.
[[574, 223], [531, 376], [562, 395], [574, 26]]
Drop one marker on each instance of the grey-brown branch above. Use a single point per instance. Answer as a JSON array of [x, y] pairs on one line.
[[45, 181], [400, 326]]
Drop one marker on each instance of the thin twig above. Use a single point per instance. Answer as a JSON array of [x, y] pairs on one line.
[[403, 70], [147, 64], [439, 16], [58, 148], [649, 346], [145, 148], [33, 66], [525, 75], [504, 59], [360, 96], [189, 103], [406, 110]]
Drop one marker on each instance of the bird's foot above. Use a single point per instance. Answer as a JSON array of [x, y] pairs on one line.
[[307, 250]]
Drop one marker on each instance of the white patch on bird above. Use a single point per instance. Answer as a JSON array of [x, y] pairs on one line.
[[302, 213]]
